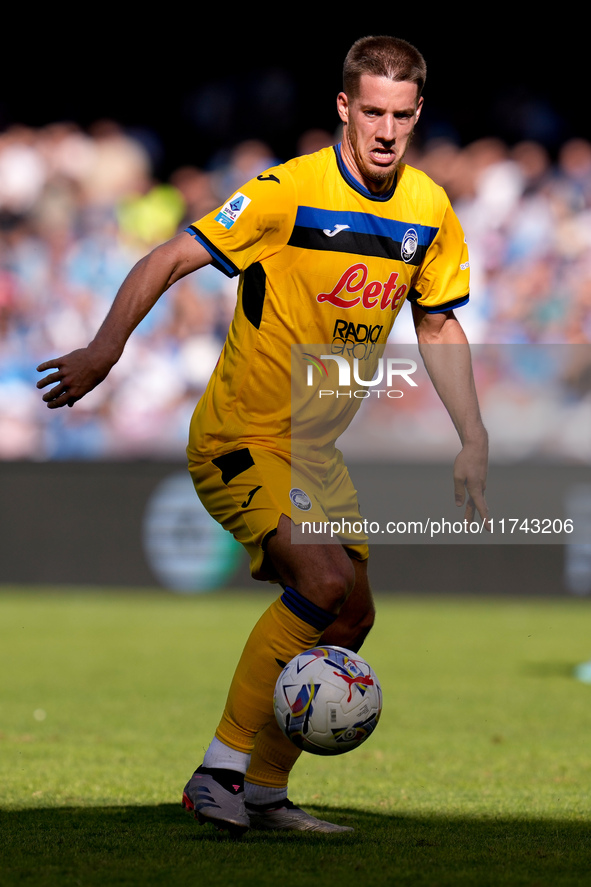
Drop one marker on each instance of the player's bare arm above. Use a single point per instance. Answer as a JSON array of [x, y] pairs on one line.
[[77, 373], [450, 370]]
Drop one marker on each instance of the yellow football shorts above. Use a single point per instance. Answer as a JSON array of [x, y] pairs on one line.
[[248, 490]]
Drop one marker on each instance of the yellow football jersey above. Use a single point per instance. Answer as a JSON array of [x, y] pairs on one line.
[[321, 261]]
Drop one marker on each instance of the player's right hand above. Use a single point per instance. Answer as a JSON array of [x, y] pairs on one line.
[[470, 469], [76, 374]]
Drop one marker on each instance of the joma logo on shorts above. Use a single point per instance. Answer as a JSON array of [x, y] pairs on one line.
[[354, 282]]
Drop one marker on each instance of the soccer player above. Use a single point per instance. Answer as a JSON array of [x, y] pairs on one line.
[[346, 234]]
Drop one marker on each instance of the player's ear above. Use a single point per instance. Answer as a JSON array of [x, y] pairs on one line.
[[419, 108], [343, 107]]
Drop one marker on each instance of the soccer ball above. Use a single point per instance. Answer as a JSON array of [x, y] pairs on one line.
[[327, 700]]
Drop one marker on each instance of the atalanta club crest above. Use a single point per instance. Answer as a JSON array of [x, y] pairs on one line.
[[300, 499], [409, 245]]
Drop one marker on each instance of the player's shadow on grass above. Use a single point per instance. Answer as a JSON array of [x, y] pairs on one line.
[[549, 669], [162, 844]]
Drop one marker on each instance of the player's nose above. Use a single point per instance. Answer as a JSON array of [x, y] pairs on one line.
[[387, 129]]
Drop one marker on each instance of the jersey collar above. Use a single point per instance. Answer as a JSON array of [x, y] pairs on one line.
[[357, 186]]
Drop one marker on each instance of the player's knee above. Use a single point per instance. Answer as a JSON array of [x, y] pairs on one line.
[[334, 591], [329, 588]]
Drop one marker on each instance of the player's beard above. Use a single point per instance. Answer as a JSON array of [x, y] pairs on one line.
[[381, 178]]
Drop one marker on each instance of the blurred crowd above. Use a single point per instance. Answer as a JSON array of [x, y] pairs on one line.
[[79, 207]]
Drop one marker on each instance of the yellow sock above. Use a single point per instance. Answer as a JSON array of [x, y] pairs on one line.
[[289, 626], [272, 758]]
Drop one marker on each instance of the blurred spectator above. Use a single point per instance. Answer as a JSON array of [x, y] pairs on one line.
[[313, 140], [232, 169], [22, 172], [78, 208]]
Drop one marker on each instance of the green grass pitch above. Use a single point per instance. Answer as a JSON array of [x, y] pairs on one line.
[[479, 772]]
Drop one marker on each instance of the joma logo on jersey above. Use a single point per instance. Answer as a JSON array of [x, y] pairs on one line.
[[354, 283]]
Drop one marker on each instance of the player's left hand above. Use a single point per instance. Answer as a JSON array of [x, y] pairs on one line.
[[470, 469]]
